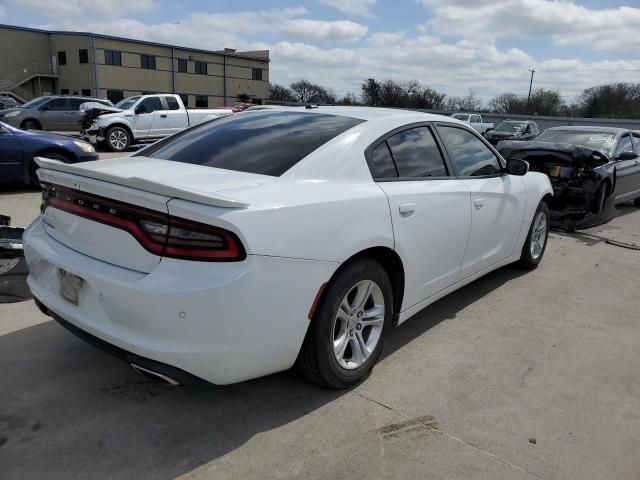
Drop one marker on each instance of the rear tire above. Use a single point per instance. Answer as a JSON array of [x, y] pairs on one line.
[[33, 177], [346, 335], [117, 139], [536, 242], [31, 125]]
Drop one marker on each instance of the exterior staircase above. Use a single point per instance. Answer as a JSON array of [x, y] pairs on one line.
[[12, 84]]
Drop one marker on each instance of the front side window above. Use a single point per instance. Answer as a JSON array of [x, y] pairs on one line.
[[625, 145], [148, 62], [636, 142], [416, 154], [74, 103], [57, 104], [263, 142], [149, 105], [470, 157]]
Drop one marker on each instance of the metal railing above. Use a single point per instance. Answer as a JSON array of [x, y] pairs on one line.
[[12, 83]]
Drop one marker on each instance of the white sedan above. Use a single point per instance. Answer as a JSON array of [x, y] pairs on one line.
[[247, 245]]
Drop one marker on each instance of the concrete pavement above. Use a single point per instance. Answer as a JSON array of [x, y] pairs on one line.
[[518, 375]]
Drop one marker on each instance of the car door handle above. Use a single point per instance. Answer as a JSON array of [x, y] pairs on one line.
[[478, 203], [163, 115], [407, 209]]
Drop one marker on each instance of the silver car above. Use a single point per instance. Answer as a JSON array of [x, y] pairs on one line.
[[53, 113]]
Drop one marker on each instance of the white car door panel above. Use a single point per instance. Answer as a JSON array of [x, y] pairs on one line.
[[496, 202], [497, 212], [430, 210], [148, 116], [431, 221]]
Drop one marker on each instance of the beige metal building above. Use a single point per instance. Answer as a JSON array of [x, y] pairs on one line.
[[38, 62]]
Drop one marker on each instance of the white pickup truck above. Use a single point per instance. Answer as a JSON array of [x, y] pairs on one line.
[[474, 120], [141, 119]]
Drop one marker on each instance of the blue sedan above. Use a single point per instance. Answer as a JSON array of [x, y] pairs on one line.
[[19, 147]]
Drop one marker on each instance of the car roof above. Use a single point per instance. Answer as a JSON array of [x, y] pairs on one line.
[[369, 113], [588, 128]]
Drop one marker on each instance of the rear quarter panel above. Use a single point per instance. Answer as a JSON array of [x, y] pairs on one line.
[[328, 221]]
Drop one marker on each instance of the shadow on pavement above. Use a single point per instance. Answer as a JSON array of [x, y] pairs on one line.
[[69, 410]]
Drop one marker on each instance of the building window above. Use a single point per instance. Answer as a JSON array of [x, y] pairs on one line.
[[256, 74], [201, 68], [202, 101], [148, 62], [182, 65], [64, 91], [83, 54], [115, 96], [86, 92], [112, 57], [62, 58], [185, 99]]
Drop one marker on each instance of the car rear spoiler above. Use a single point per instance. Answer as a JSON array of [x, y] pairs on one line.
[[138, 183]]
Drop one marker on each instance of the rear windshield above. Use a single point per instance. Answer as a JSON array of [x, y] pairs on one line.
[[268, 143], [600, 141]]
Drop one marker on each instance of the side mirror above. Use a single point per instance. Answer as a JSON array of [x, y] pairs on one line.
[[518, 167], [627, 156], [141, 109]]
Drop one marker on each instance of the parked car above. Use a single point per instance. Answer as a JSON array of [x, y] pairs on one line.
[[238, 107], [512, 130], [591, 169], [18, 148], [52, 113], [13, 268], [240, 247], [8, 102], [145, 118], [474, 120]]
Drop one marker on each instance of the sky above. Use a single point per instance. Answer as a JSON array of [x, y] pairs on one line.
[[484, 47]]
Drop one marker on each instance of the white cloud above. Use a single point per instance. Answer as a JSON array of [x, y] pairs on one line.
[[355, 7], [566, 22], [60, 9], [341, 30], [342, 54]]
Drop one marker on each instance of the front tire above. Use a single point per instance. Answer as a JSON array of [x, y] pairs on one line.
[[117, 139], [536, 242], [346, 335], [31, 125]]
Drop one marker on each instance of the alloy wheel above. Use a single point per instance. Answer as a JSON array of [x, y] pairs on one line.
[[118, 139], [539, 235], [358, 324]]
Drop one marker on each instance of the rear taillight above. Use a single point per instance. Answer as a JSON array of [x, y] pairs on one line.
[[159, 233]]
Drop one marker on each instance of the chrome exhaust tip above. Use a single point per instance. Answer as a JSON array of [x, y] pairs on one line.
[[155, 375]]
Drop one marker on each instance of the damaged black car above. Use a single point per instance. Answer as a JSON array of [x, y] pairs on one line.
[[591, 170]]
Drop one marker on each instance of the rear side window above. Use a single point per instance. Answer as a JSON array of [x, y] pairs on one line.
[[470, 157], [172, 103], [381, 162], [416, 154], [267, 143]]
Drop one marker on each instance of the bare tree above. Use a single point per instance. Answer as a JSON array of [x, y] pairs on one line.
[[279, 93]]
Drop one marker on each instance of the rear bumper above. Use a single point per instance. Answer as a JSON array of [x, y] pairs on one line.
[[223, 323]]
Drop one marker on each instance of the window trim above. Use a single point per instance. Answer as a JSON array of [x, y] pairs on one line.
[[383, 138], [186, 65], [113, 54], [619, 142], [201, 64], [81, 52], [148, 57], [501, 161]]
